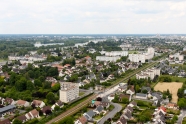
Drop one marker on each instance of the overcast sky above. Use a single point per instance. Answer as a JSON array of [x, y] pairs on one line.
[[92, 16]]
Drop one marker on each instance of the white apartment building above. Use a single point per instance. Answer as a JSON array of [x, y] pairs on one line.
[[137, 58], [176, 57], [80, 44], [107, 58], [150, 53], [68, 92], [97, 40], [149, 73], [142, 57], [116, 53], [184, 49]]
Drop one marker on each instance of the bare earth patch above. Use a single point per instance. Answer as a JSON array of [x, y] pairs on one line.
[[172, 86]]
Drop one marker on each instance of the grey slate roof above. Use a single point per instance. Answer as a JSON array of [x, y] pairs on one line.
[[141, 94], [91, 113], [128, 114], [6, 108], [146, 88], [130, 108], [123, 120], [99, 108], [156, 95]]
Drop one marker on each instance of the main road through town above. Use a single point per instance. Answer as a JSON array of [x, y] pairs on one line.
[[106, 92]]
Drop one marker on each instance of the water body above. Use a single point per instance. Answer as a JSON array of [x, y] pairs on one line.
[[49, 44]]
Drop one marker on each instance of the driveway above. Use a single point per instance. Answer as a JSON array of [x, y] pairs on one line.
[[181, 116], [111, 114]]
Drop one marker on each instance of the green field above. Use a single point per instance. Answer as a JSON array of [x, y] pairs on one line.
[[132, 51], [179, 65], [175, 78]]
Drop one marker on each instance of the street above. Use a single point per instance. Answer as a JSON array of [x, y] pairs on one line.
[[111, 114], [181, 116]]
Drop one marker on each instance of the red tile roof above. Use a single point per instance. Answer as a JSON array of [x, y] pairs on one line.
[[162, 108]]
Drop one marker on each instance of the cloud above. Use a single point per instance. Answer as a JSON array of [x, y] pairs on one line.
[[92, 16]]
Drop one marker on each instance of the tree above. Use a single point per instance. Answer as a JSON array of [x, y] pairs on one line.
[[37, 83], [125, 100], [31, 74], [29, 85], [3, 90], [137, 88], [56, 108], [21, 84], [144, 91], [182, 103], [50, 97], [67, 120], [52, 72], [116, 98], [16, 121], [56, 87], [12, 79], [47, 85], [73, 78], [41, 78], [180, 92]]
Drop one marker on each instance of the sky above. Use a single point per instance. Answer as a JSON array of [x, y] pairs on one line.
[[93, 17]]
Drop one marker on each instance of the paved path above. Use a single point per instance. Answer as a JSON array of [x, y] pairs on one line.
[[72, 110], [181, 116], [111, 114]]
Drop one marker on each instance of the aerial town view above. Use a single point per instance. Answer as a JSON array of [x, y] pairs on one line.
[[93, 62]]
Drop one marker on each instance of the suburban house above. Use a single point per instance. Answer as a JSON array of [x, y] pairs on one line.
[[159, 115], [22, 118], [51, 79], [7, 110], [21, 103], [127, 115], [128, 109], [156, 95], [32, 114], [131, 90], [133, 104], [123, 88], [141, 96], [2, 100], [38, 103], [9, 101], [96, 103], [171, 106], [111, 97], [91, 76], [6, 121], [148, 89], [122, 120], [99, 87], [46, 110], [81, 120], [58, 103], [99, 109], [105, 104], [89, 115]]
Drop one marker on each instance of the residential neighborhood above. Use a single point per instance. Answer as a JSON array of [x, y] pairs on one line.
[[105, 81]]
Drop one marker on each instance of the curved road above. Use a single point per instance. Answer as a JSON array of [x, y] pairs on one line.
[[111, 114], [181, 116]]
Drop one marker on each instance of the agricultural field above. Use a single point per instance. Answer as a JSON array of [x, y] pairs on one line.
[[172, 86]]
